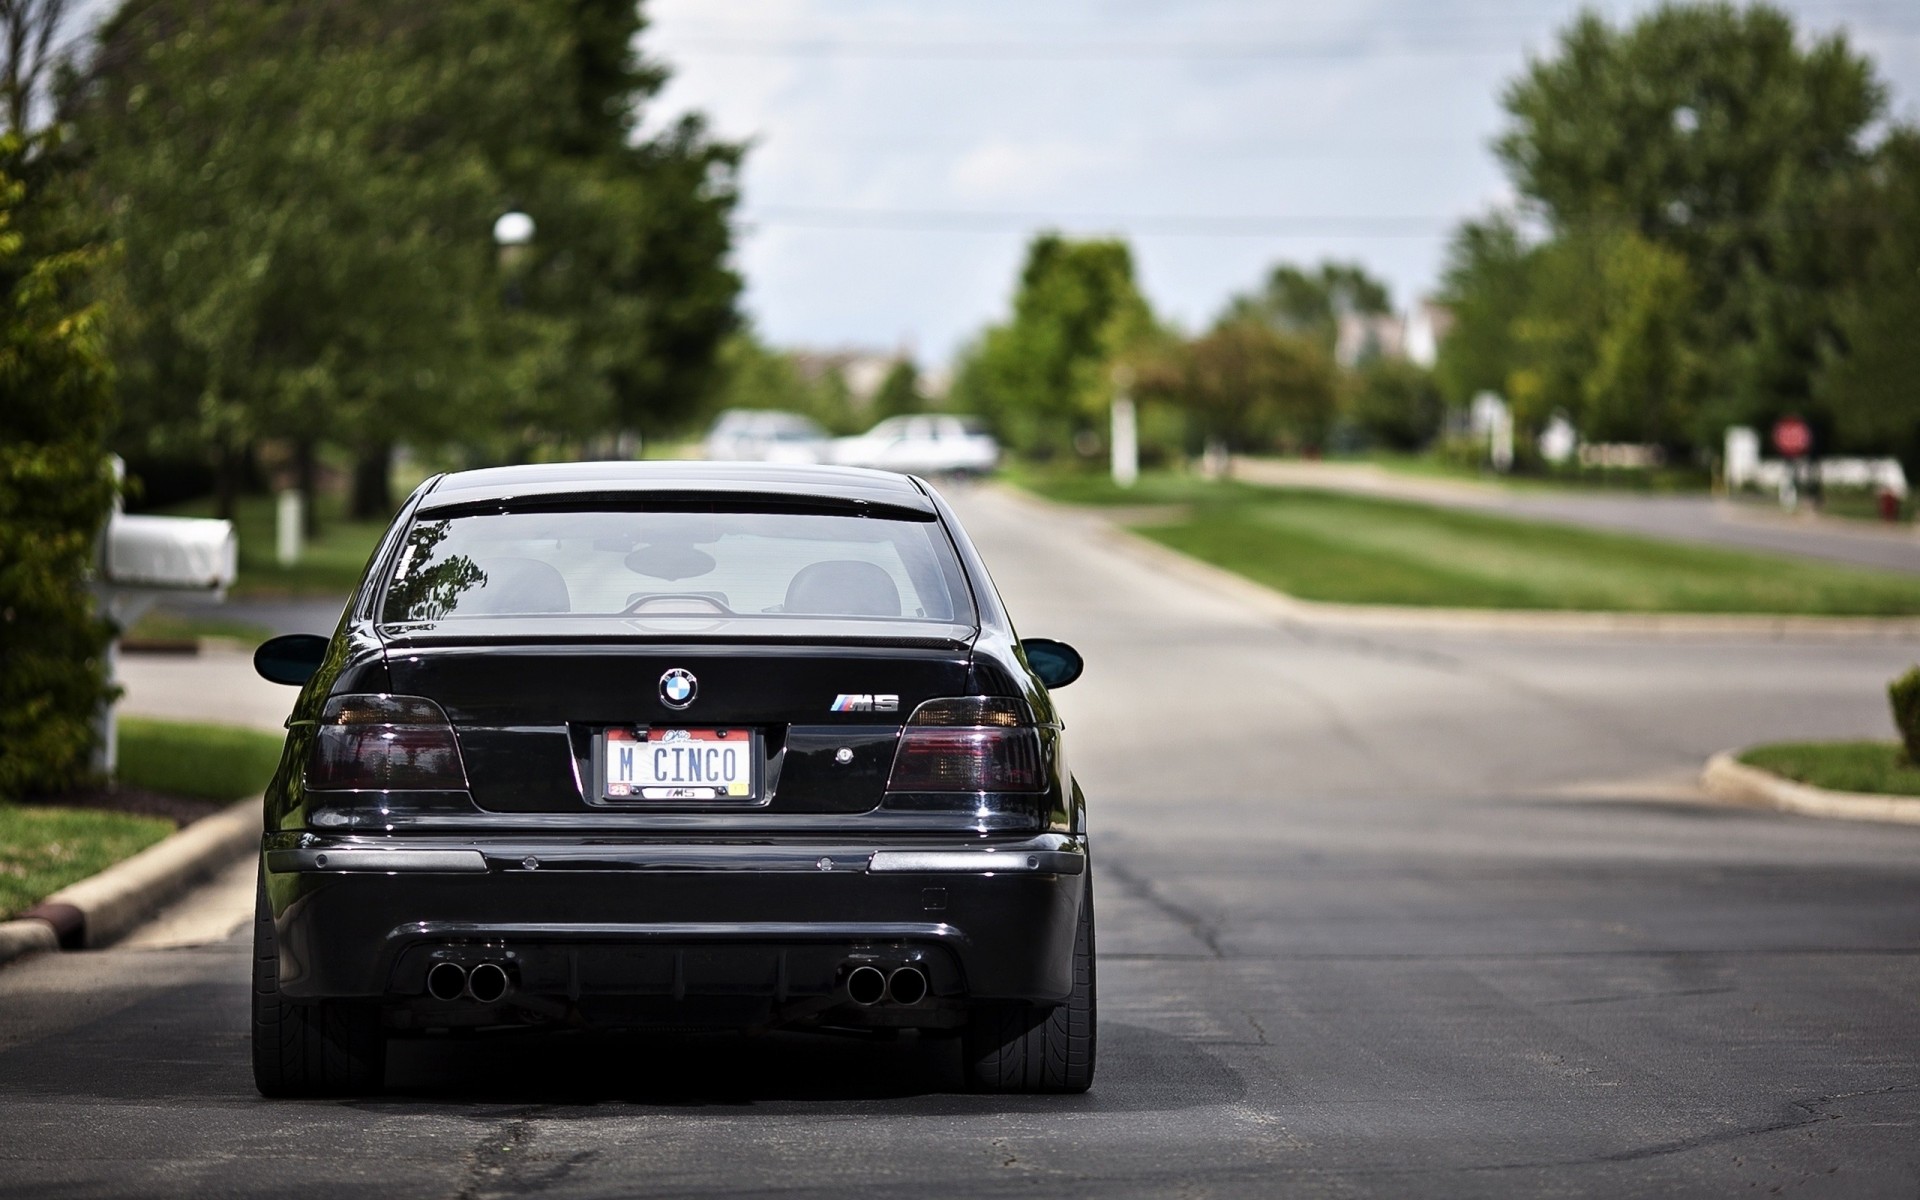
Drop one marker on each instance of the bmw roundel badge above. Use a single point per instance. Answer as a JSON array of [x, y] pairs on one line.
[[678, 687]]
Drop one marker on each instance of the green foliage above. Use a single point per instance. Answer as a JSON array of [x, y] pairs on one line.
[[753, 375], [1600, 339], [1685, 166], [899, 393], [1877, 768], [1869, 379], [1310, 303], [1485, 285], [330, 564], [1247, 384], [305, 194], [1904, 695], [55, 492], [1396, 403], [1047, 374]]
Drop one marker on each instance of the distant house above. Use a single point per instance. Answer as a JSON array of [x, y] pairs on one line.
[[1416, 337], [1365, 337]]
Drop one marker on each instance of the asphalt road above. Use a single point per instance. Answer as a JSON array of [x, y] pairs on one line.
[[1380, 914]]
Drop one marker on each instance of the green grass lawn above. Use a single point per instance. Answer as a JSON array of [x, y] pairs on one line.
[[330, 565], [1362, 550], [215, 762], [167, 626], [43, 848], [1877, 767], [1669, 479]]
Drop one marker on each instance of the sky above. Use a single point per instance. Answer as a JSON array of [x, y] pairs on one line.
[[904, 152]]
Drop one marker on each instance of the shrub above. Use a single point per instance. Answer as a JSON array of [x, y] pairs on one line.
[[1904, 693], [55, 491]]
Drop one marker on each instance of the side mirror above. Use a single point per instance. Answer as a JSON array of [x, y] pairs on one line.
[[1056, 663], [292, 658]]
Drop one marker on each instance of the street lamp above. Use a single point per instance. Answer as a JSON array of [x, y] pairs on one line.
[[513, 234], [512, 230]]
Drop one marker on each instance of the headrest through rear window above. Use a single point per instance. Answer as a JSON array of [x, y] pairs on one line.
[[517, 585], [843, 587]]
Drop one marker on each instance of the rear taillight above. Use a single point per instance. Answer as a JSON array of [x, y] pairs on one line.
[[969, 744], [384, 743]]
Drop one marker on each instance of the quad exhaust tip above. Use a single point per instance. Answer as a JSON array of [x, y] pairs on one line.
[[487, 982], [908, 985], [866, 985], [447, 981]]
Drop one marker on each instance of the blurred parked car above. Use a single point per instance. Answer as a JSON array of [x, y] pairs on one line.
[[766, 435], [928, 445]]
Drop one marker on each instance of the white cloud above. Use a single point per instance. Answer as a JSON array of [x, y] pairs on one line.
[[1363, 108]]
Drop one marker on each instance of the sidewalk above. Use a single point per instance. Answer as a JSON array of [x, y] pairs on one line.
[[217, 686], [1687, 518]]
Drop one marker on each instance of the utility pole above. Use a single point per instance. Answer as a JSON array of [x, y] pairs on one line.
[[1124, 441]]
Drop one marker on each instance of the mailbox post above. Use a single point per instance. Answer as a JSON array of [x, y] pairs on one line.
[[143, 560]]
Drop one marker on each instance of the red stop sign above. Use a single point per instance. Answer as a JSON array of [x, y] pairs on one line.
[[1791, 437]]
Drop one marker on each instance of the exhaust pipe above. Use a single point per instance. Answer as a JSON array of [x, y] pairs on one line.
[[866, 985], [908, 985], [487, 982], [446, 981]]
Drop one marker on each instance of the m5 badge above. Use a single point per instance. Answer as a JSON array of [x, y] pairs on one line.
[[865, 703]]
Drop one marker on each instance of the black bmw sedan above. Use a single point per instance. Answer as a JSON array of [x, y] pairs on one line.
[[638, 746]]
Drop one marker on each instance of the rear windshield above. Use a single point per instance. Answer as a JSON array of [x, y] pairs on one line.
[[769, 566]]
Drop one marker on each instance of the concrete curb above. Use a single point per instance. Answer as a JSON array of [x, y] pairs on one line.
[[100, 910], [25, 936], [1733, 781], [1283, 607]]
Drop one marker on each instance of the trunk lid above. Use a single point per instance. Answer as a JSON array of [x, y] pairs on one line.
[[531, 719]]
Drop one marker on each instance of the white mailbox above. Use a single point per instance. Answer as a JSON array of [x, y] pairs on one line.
[[169, 554], [144, 560]]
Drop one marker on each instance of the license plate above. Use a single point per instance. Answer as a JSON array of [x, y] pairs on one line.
[[679, 764]]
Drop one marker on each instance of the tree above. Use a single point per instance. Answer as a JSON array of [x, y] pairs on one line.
[[1246, 385], [1485, 284], [1712, 133], [1046, 375], [1870, 381], [1642, 385], [1310, 303], [1396, 403], [352, 157], [899, 393], [55, 493], [28, 54], [1600, 338], [753, 375]]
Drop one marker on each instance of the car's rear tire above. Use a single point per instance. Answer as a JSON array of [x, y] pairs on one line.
[[1040, 1048], [331, 1048]]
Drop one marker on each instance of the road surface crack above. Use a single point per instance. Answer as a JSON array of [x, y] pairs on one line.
[[1199, 927], [507, 1162]]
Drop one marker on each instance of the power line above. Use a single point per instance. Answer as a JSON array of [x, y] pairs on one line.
[[1183, 225], [1176, 50], [1005, 51], [1386, 225]]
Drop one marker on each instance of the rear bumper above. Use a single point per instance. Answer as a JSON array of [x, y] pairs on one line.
[[366, 917]]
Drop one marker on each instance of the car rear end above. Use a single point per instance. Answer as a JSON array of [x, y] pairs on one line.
[[673, 755]]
